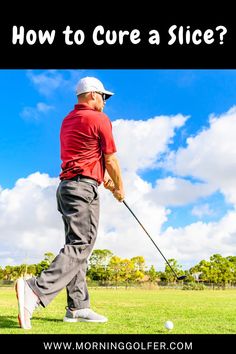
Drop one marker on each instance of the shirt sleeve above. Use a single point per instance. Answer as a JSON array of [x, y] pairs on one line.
[[106, 137]]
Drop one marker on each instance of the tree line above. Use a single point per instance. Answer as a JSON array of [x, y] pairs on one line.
[[105, 268]]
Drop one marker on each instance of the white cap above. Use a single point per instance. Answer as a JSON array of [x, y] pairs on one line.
[[91, 84]]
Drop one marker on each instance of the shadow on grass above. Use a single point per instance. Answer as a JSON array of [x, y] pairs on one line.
[[45, 319], [8, 322], [12, 322]]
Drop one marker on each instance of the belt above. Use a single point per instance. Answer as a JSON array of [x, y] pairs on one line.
[[85, 179]]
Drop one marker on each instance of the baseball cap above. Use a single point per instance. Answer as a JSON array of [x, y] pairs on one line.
[[91, 84]]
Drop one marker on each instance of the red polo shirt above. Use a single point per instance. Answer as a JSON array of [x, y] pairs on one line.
[[85, 136]]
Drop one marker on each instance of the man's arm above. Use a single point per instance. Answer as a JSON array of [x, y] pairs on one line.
[[107, 182], [113, 179]]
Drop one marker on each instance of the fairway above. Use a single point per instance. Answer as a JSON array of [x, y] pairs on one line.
[[132, 311]]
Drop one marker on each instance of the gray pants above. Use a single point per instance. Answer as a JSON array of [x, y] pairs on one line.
[[78, 202]]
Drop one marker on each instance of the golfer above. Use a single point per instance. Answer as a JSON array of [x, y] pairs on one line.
[[88, 160]]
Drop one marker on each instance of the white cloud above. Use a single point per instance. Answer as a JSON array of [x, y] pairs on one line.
[[119, 231], [36, 227], [200, 240], [211, 155], [30, 224], [202, 210], [35, 113], [141, 143], [173, 191], [49, 81]]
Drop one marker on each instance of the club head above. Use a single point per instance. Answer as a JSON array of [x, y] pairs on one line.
[[181, 277]]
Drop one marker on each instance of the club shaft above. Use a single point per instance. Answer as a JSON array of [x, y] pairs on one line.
[[150, 237]]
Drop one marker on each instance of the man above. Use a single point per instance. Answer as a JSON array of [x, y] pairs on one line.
[[88, 159]]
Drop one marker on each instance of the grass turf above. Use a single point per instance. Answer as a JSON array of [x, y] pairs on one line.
[[132, 311]]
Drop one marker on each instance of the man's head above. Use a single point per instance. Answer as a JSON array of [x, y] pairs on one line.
[[91, 91]]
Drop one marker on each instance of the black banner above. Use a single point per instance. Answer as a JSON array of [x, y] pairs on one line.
[[162, 38], [118, 343]]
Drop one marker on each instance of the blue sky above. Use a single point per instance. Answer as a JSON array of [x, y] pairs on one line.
[[193, 102], [31, 143]]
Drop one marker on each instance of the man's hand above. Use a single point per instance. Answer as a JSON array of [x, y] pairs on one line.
[[108, 184], [119, 195]]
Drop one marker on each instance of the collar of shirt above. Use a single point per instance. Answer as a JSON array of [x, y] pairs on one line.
[[83, 106]]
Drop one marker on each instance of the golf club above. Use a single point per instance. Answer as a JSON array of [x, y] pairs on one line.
[[178, 277]]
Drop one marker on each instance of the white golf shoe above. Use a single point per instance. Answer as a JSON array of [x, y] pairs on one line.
[[28, 301], [83, 315]]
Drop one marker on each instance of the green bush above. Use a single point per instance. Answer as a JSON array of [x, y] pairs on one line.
[[194, 286]]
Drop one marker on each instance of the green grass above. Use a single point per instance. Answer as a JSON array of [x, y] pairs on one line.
[[132, 311]]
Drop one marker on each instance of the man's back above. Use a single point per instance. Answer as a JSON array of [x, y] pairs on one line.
[[85, 136]]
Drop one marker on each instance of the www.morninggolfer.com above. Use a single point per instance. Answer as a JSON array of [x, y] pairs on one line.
[[119, 345]]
